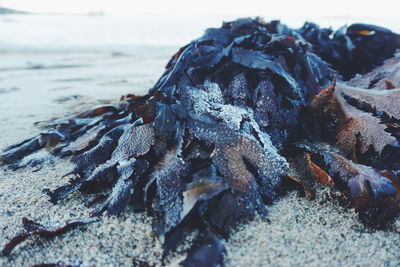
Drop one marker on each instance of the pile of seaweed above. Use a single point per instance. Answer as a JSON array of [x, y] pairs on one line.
[[240, 116]]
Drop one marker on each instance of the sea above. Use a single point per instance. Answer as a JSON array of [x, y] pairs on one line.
[[102, 31]]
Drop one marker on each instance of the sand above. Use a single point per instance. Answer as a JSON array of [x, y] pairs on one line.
[[37, 85]]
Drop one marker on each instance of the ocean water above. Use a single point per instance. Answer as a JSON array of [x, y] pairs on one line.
[[41, 31]]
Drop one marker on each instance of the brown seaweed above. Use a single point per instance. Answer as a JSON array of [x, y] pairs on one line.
[[33, 228], [236, 112]]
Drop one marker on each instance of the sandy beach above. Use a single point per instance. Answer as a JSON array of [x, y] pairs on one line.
[[38, 84]]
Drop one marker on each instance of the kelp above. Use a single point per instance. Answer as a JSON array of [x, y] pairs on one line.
[[235, 113]]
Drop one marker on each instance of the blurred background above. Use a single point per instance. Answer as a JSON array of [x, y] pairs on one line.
[[102, 23]]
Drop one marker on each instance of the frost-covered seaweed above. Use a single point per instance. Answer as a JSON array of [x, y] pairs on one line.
[[214, 138]]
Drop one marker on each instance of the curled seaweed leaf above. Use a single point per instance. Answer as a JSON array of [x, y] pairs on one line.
[[210, 252], [200, 190], [367, 120], [375, 197], [319, 174]]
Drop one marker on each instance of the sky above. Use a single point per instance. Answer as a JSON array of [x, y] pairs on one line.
[[381, 8]]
